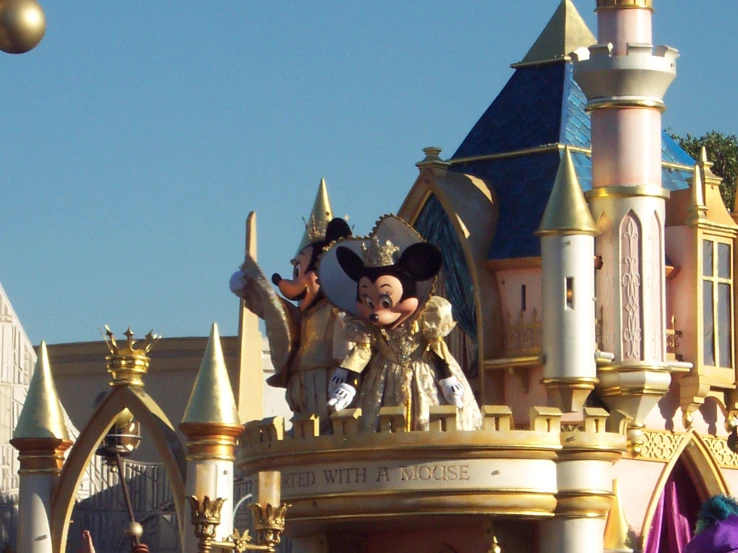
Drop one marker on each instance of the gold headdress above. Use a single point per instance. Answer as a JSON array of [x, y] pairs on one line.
[[377, 254], [320, 216], [383, 247], [315, 228]]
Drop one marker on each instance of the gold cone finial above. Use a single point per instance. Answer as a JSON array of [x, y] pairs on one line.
[[212, 401], [706, 166], [714, 209], [42, 415], [320, 216], [616, 527], [564, 33], [567, 211], [697, 208]]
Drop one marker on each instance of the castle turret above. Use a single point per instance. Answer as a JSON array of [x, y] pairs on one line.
[[625, 78], [41, 438], [567, 234], [211, 425]]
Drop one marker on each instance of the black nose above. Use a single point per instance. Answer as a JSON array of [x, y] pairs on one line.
[[374, 318], [276, 278]]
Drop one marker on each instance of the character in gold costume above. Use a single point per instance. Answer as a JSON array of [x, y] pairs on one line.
[[385, 281], [307, 341]]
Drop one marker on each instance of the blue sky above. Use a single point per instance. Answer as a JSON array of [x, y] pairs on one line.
[[138, 136]]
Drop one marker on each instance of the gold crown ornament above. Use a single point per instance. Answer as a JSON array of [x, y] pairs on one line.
[[379, 255], [128, 363], [316, 227]]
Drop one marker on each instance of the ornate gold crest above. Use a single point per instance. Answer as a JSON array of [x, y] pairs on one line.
[[377, 254]]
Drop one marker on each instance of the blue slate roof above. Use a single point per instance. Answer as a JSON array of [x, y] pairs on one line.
[[540, 105]]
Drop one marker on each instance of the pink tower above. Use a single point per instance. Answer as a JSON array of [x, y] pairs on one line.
[[625, 78]]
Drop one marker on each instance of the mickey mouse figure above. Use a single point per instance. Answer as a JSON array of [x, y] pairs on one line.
[[306, 342], [398, 329]]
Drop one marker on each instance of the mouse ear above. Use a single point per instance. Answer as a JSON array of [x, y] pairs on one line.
[[351, 263], [421, 261], [337, 228]]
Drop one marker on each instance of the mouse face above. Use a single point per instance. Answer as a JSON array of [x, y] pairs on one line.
[[386, 296], [382, 302], [303, 287]]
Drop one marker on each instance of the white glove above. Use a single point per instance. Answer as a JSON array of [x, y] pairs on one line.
[[452, 390], [237, 283], [339, 377], [342, 397]]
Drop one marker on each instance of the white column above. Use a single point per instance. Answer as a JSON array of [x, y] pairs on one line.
[[212, 478], [34, 512], [568, 312], [573, 535]]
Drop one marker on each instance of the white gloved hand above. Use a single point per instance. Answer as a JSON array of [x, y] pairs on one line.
[[452, 390], [237, 283], [342, 397], [340, 375]]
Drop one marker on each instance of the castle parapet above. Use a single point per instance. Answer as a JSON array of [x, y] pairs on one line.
[[640, 78], [357, 476]]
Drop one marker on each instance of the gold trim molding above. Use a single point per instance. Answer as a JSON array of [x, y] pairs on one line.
[[624, 5], [40, 455], [723, 455], [513, 263], [626, 102], [206, 441], [646, 190], [660, 445]]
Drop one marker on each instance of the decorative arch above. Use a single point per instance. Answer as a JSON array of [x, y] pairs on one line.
[[477, 194], [161, 431], [703, 471], [454, 282]]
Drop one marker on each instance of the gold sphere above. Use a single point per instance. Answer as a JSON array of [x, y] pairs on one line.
[[134, 530], [22, 25]]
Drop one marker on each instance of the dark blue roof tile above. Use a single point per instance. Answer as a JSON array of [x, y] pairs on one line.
[[527, 113], [540, 105]]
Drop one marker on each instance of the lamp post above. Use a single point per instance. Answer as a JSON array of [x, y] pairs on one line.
[[122, 439]]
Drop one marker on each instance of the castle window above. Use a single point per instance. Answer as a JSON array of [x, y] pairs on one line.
[[523, 298], [717, 300]]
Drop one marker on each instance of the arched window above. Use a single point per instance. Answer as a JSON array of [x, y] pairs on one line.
[[676, 513], [454, 283]]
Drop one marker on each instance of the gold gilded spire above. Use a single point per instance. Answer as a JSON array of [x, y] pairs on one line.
[[320, 216], [42, 415], [716, 211], [212, 401], [616, 528], [564, 33], [697, 208], [567, 211]]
